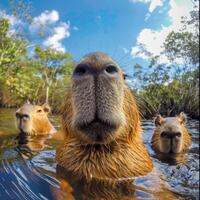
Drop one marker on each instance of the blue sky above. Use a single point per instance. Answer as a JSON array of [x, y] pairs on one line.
[[116, 27]]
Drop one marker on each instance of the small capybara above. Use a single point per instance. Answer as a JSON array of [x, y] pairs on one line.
[[101, 124], [33, 120], [171, 135]]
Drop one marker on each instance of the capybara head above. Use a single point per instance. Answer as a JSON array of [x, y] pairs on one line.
[[170, 135], [97, 98], [101, 123], [33, 119]]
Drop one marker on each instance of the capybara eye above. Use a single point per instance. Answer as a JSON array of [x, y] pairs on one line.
[[26, 116], [80, 70], [178, 134], [163, 134], [111, 69], [39, 110]]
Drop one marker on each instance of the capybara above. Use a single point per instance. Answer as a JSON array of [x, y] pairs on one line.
[[33, 120], [101, 124], [171, 135]]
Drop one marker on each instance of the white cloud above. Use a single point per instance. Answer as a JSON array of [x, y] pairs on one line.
[[59, 33], [45, 18], [151, 41], [153, 4], [57, 30]]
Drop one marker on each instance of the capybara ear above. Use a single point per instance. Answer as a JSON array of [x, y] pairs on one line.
[[182, 117], [46, 107], [159, 120]]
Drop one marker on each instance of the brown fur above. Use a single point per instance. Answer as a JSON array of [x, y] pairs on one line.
[[74, 187], [33, 120], [171, 125], [119, 153]]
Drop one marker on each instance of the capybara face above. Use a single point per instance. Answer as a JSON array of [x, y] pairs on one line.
[[32, 119], [172, 136], [97, 98], [101, 123]]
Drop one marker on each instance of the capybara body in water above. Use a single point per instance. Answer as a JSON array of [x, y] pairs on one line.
[[74, 187], [171, 135], [33, 120], [101, 124]]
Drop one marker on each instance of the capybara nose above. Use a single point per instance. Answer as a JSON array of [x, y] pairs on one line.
[[166, 135], [82, 70], [169, 135]]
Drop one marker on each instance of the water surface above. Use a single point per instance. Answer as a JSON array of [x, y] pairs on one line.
[[29, 172]]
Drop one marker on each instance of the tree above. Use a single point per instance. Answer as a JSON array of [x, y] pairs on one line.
[[11, 49], [44, 76], [185, 44], [172, 88], [52, 66]]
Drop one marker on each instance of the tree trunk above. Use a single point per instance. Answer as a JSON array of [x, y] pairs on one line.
[[47, 94]]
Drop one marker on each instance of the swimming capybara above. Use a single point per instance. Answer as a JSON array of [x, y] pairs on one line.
[[101, 124], [33, 120], [171, 135]]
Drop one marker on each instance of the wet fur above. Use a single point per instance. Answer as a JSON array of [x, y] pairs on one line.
[[185, 140], [123, 153], [74, 187]]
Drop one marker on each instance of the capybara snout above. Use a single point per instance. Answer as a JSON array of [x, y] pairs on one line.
[[98, 87]]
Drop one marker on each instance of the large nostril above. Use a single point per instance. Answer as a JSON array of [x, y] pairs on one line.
[[111, 69], [80, 70]]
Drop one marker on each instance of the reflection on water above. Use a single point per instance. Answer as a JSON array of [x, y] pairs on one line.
[[28, 170]]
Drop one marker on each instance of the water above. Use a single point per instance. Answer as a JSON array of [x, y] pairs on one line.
[[30, 171]]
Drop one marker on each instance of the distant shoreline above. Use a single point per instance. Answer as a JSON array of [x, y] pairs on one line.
[[143, 116]]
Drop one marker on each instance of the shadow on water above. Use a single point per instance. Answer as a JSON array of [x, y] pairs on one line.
[[28, 170]]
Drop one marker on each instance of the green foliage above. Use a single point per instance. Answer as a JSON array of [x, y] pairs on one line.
[[183, 45], [53, 65], [165, 89], [44, 77], [170, 89], [171, 97], [11, 49]]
